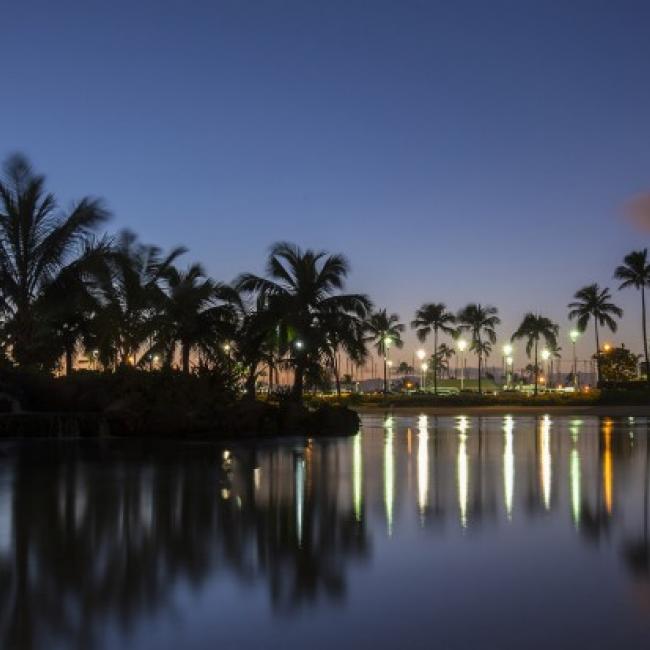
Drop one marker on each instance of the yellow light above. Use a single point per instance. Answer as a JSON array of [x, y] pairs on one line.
[[462, 345], [424, 367], [546, 355], [607, 347]]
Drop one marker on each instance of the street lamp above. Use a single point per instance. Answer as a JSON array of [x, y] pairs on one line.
[[507, 351], [509, 361], [424, 367], [462, 346], [574, 335], [546, 355]]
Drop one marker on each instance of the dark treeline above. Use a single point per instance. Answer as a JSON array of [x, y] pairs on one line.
[[67, 289]]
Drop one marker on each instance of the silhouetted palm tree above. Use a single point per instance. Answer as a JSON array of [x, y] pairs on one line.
[[384, 331], [195, 313], [433, 317], [635, 272], [533, 328], [37, 244], [480, 321], [593, 302], [445, 355], [130, 297], [303, 291]]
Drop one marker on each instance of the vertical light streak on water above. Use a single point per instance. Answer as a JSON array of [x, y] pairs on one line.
[[462, 470], [508, 465], [575, 486], [389, 475], [423, 466], [299, 478], [608, 466], [357, 476], [546, 461]]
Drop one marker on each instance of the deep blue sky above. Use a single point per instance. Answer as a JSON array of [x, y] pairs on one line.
[[455, 151]]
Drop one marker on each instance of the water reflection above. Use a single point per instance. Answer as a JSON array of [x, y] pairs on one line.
[[96, 539]]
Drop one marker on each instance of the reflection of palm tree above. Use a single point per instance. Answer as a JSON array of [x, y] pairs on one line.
[[637, 552], [115, 548]]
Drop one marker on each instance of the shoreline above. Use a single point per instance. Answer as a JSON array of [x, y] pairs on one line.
[[617, 410]]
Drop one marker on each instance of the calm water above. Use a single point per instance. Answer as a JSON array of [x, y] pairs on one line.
[[417, 533]]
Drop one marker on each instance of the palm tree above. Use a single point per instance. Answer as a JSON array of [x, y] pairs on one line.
[[130, 296], [384, 331], [480, 321], [444, 356], [433, 317], [593, 302], [635, 272], [37, 244], [303, 291], [533, 328], [194, 313]]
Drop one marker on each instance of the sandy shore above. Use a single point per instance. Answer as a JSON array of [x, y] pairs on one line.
[[599, 410]]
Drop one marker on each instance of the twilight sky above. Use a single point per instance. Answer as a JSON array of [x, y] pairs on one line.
[[455, 151]]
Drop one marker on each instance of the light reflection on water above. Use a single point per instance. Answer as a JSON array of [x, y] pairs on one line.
[[390, 538]]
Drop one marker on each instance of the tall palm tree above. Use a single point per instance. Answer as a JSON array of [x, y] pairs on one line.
[[303, 290], [480, 321], [433, 317], [635, 272], [384, 331], [37, 243], [592, 302], [194, 313], [444, 356], [130, 296], [534, 328]]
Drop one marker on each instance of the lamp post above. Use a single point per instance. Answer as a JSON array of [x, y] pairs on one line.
[[509, 361], [462, 346], [546, 355], [421, 354], [507, 352], [574, 335], [424, 367]]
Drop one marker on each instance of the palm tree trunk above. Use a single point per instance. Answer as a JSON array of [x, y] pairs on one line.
[[298, 380], [536, 368], [435, 361], [250, 382], [337, 377], [597, 352], [185, 358], [645, 336], [480, 389], [68, 360], [385, 376]]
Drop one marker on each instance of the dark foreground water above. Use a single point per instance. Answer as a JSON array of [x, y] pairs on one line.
[[417, 533]]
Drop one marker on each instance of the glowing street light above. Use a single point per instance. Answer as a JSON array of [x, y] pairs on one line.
[[462, 346], [420, 354], [574, 335], [607, 347], [507, 351], [299, 345]]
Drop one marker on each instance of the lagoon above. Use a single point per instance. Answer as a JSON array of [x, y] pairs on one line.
[[419, 532]]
